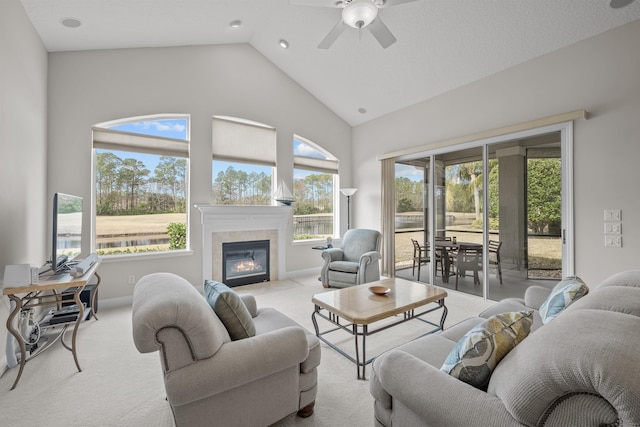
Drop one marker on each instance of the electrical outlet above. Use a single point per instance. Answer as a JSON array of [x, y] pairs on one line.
[[612, 228], [132, 279], [613, 241], [612, 215]]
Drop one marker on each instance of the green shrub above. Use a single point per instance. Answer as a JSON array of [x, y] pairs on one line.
[[103, 252], [177, 235], [494, 223], [307, 237]]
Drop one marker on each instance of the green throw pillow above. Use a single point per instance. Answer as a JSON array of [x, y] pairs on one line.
[[230, 310], [478, 352], [563, 294]]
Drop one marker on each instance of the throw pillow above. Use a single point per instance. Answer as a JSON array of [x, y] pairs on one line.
[[478, 352], [567, 291], [230, 310]]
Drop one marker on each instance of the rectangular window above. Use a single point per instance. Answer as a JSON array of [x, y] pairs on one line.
[[244, 158], [242, 184]]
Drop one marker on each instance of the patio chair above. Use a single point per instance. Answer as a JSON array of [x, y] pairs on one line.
[[494, 257], [420, 256], [469, 259]]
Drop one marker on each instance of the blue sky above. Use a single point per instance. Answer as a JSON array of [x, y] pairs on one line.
[[168, 128], [411, 172]]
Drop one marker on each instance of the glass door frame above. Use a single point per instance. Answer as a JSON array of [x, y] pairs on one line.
[[567, 209]]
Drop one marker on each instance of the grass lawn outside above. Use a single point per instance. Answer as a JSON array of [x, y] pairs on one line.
[[545, 253], [113, 229]]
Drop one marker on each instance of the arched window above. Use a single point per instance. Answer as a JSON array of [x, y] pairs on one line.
[[315, 180], [141, 181]]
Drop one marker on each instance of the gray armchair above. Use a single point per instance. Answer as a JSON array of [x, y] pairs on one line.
[[355, 263], [211, 379]]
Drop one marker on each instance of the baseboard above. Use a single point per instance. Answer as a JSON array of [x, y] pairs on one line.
[[305, 272], [116, 302]]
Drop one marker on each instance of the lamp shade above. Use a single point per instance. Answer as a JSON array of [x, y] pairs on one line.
[[348, 191], [359, 13]]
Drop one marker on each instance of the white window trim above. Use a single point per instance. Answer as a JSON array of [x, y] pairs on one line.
[[153, 117]]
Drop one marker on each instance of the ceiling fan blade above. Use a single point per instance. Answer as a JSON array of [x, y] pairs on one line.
[[389, 3], [381, 33], [333, 35], [316, 3]]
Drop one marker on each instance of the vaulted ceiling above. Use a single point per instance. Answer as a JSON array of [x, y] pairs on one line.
[[441, 44]]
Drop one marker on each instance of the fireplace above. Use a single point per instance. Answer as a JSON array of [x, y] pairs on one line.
[[246, 262], [225, 224]]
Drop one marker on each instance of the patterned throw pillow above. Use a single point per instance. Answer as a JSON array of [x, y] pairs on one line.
[[479, 351], [567, 291], [230, 310]]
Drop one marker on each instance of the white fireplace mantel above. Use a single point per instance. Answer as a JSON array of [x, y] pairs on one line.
[[248, 219]]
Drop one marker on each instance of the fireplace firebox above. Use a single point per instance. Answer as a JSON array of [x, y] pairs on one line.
[[244, 263]]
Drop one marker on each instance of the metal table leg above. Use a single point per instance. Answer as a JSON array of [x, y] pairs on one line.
[[23, 351]]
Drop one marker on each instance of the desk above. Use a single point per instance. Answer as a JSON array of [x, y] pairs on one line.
[[61, 285], [445, 246]]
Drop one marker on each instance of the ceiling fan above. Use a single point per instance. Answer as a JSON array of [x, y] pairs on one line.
[[357, 14]]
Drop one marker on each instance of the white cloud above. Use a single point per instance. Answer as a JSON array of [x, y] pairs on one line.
[[411, 172], [162, 126], [308, 151]]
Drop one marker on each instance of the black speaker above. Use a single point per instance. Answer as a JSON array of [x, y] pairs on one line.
[[86, 296]]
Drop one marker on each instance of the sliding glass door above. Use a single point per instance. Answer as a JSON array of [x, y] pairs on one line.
[[490, 218]]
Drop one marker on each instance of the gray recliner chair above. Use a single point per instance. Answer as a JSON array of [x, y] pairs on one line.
[[211, 379], [356, 262]]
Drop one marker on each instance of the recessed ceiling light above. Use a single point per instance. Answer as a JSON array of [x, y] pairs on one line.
[[71, 22], [362, 110], [235, 23], [617, 4], [283, 44]]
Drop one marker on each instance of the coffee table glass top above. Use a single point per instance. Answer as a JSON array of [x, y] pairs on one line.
[[358, 305]]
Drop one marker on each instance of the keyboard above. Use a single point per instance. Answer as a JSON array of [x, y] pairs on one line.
[[83, 266]]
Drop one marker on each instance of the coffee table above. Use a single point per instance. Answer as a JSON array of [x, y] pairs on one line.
[[358, 307]]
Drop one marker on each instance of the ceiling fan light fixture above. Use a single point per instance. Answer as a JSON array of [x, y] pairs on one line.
[[618, 4], [359, 13]]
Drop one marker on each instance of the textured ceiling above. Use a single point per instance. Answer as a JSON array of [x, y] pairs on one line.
[[442, 44]]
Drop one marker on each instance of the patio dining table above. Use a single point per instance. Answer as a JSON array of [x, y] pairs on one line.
[[446, 247]]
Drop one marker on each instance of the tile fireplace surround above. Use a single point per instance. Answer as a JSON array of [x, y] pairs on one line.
[[224, 224]]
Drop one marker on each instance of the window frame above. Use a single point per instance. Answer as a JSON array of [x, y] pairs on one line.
[[167, 146], [241, 141], [329, 165]]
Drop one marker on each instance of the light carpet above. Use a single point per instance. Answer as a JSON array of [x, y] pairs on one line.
[[120, 387]]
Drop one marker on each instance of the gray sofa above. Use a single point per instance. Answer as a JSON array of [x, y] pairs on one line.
[[211, 379], [580, 369]]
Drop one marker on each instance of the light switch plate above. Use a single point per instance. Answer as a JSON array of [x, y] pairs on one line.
[[612, 215], [613, 241], [612, 228]]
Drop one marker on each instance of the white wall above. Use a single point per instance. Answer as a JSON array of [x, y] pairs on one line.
[[601, 75], [235, 80], [23, 121]]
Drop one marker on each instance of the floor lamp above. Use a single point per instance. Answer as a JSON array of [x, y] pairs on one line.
[[348, 192]]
